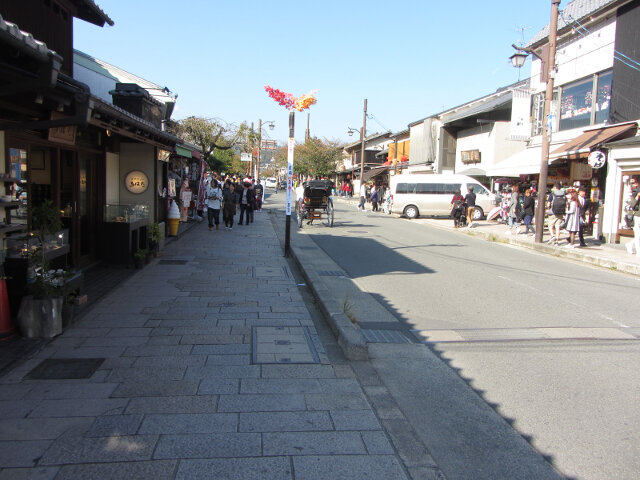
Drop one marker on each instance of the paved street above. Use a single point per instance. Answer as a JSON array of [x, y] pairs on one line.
[[550, 344], [205, 364]]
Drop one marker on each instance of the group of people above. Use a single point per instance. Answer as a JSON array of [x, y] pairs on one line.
[[375, 194], [565, 210], [463, 209], [230, 195]]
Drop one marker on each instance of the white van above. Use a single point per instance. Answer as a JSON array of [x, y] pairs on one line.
[[431, 194]]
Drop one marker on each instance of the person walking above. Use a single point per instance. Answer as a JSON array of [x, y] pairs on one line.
[[584, 203], [457, 207], [259, 189], [213, 195], [528, 211], [573, 218], [373, 196], [363, 196], [246, 199], [633, 210], [557, 202], [512, 219], [470, 201], [228, 204]]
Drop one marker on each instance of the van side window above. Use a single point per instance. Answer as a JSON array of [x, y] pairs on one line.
[[451, 188], [428, 188], [408, 188], [480, 190]]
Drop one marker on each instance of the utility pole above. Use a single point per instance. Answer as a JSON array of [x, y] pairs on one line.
[[290, 154], [307, 133], [363, 134], [259, 148], [546, 129]]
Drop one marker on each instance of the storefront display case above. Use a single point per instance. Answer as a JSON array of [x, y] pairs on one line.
[[124, 231]]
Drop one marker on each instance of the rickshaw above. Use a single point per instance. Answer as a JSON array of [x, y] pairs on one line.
[[315, 203]]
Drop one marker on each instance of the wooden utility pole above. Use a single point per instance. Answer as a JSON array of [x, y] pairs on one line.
[[363, 134], [546, 129]]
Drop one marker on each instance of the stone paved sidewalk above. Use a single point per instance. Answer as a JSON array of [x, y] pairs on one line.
[[205, 364]]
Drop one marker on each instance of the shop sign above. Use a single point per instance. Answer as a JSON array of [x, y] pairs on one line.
[[245, 157], [136, 181], [470, 156], [597, 159]]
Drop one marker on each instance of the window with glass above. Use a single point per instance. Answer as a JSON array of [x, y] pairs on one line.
[[577, 106]]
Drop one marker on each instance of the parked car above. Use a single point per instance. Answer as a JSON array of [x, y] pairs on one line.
[[427, 194], [270, 182], [283, 185]]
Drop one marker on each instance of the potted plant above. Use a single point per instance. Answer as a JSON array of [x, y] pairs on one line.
[[140, 257], [40, 312]]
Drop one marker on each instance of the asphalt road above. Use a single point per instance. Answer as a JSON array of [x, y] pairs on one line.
[[575, 400]]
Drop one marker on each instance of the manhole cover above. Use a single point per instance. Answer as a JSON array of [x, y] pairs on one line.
[[173, 262], [282, 345], [65, 369]]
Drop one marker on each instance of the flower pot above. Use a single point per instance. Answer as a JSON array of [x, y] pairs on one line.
[[40, 318]]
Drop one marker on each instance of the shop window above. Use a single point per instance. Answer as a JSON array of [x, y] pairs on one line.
[[577, 108]]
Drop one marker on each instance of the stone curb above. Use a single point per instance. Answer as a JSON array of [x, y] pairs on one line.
[[349, 337]]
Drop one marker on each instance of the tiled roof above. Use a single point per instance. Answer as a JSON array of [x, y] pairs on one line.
[[89, 11], [575, 10], [11, 33]]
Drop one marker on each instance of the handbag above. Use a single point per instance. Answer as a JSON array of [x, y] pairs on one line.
[[628, 219]]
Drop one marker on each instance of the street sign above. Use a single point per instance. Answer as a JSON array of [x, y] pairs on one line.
[[245, 157]]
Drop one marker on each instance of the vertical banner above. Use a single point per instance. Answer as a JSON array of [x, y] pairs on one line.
[[290, 151], [201, 186]]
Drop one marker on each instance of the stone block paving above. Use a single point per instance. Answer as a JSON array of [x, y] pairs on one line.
[[212, 369]]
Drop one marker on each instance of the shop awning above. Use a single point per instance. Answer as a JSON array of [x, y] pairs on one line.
[[472, 171], [368, 175], [526, 162], [183, 152], [581, 146]]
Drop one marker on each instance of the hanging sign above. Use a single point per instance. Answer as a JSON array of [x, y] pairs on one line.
[[136, 181], [597, 159]]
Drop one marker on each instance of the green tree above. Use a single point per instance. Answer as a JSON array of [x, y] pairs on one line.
[[317, 157], [212, 136]]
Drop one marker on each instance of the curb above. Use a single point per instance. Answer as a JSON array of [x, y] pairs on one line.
[[349, 336]]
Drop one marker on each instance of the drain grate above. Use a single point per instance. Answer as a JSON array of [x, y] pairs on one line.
[[331, 273], [173, 262], [65, 369], [384, 336]]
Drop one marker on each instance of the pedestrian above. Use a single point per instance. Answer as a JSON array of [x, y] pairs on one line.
[[229, 200], [259, 193], [347, 189], [246, 199], [514, 200], [557, 203], [528, 208], [585, 203], [213, 195], [573, 218], [457, 207], [363, 196], [470, 201], [632, 216], [373, 196]]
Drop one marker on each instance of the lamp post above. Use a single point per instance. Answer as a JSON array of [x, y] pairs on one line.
[[271, 125], [517, 60]]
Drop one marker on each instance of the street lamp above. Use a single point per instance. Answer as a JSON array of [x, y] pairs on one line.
[[271, 125], [546, 139]]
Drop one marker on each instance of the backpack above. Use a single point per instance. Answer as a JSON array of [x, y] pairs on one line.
[[559, 205]]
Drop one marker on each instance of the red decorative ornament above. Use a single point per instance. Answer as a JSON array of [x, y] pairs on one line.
[[288, 101]]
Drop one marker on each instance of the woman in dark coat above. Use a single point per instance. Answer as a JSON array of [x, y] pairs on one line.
[[528, 209]]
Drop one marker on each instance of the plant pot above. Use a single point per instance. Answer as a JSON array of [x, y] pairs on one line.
[[138, 262], [40, 318], [68, 311]]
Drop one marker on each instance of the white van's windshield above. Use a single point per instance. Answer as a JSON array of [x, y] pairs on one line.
[[480, 190]]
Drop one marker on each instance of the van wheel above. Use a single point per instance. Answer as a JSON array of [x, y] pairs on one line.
[[411, 212], [478, 214]]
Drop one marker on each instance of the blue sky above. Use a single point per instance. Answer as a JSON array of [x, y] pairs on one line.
[[408, 58]]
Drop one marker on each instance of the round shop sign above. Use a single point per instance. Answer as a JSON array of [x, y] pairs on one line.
[[136, 181], [597, 159]]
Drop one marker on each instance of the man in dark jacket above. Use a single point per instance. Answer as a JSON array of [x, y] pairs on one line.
[[470, 201]]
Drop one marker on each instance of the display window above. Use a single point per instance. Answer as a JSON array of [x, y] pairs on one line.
[[625, 194], [577, 106]]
